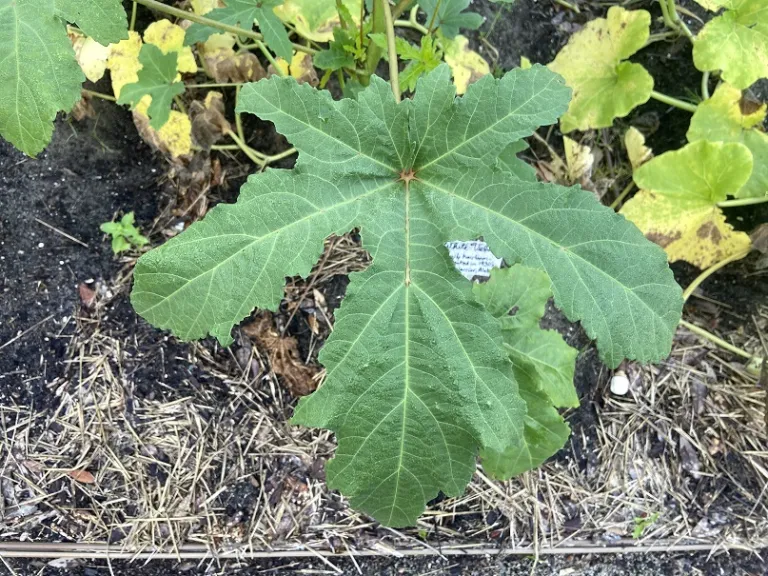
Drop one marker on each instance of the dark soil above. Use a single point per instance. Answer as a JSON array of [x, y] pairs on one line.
[[735, 564]]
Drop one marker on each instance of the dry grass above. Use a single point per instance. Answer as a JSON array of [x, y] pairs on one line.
[[213, 460]]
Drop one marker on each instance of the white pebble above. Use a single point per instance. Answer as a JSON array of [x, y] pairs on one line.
[[620, 383]]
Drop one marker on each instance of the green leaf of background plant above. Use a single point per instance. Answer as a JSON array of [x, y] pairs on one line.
[[243, 13], [677, 203], [420, 60], [417, 376], [336, 57], [517, 297], [735, 42], [728, 117], [157, 78], [39, 75], [593, 63], [103, 20], [450, 16]]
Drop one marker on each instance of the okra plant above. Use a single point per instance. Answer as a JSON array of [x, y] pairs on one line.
[[425, 372]]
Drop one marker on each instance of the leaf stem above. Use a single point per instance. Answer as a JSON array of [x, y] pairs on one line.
[[705, 85], [271, 59], [255, 157], [132, 26], [568, 5], [394, 72], [412, 25], [400, 7], [742, 202], [711, 270], [192, 17], [677, 21], [687, 106], [434, 15], [624, 193], [719, 341], [214, 85], [99, 95]]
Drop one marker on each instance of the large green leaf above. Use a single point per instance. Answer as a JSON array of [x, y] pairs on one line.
[[593, 63], [417, 378], [728, 117], [243, 13], [735, 42], [677, 203], [542, 362], [39, 75], [102, 20], [157, 78]]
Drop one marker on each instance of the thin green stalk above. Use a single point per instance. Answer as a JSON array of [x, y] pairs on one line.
[[99, 95], [400, 7], [668, 22], [434, 15], [269, 57], [343, 22], [678, 22], [133, 16], [192, 17], [673, 101], [624, 193], [709, 271], [705, 85], [719, 341], [180, 104], [284, 154], [411, 25], [247, 150], [214, 85], [394, 72], [568, 5], [742, 202]]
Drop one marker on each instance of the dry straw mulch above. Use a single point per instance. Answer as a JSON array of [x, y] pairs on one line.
[[211, 458]]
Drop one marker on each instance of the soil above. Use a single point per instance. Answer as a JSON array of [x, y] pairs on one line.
[[99, 168]]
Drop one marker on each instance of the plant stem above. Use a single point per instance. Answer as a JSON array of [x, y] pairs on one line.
[[284, 154], [742, 202], [192, 17], [99, 95], [679, 24], [250, 152], [673, 101], [269, 57], [180, 104], [668, 22], [705, 85], [568, 5], [719, 341], [624, 193], [434, 15], [709, 271], [400, 7], [411, 25], [214, 85], [133, 16], [394, 72]]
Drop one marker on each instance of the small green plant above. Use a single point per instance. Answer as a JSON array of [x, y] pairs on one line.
[[642, 523], [125, 235]]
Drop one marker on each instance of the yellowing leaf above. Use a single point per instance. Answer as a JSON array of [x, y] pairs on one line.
[[223, 64], [578, 162], [728, 117], [467, 66], [174, 137], [638, 152], [203, 6], [91, 56], [593, 63], [525, 63], [302, 69], [123, 62], [677, 203], [170, 38], [735, 42], [712, 5], [316, 19]]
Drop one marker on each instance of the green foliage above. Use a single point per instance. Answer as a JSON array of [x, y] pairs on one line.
[[677, 203], [735, 42], [38, 72], [420, 60], [594, 64], [450, 16], [339, 54], [418, 378], [728, 117], [157, 78], [642, 523], [125, 235], [243, 13], [542, 363]]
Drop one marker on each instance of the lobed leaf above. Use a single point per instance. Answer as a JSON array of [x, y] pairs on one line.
[[418, 378], [728, 117], [103, 20], [449, 16], [677, 203], [735, 42], [593, 63]]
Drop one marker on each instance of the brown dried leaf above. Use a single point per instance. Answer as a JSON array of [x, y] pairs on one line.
[[87, 296], [283, 355], [208, 121], [82, 476]]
